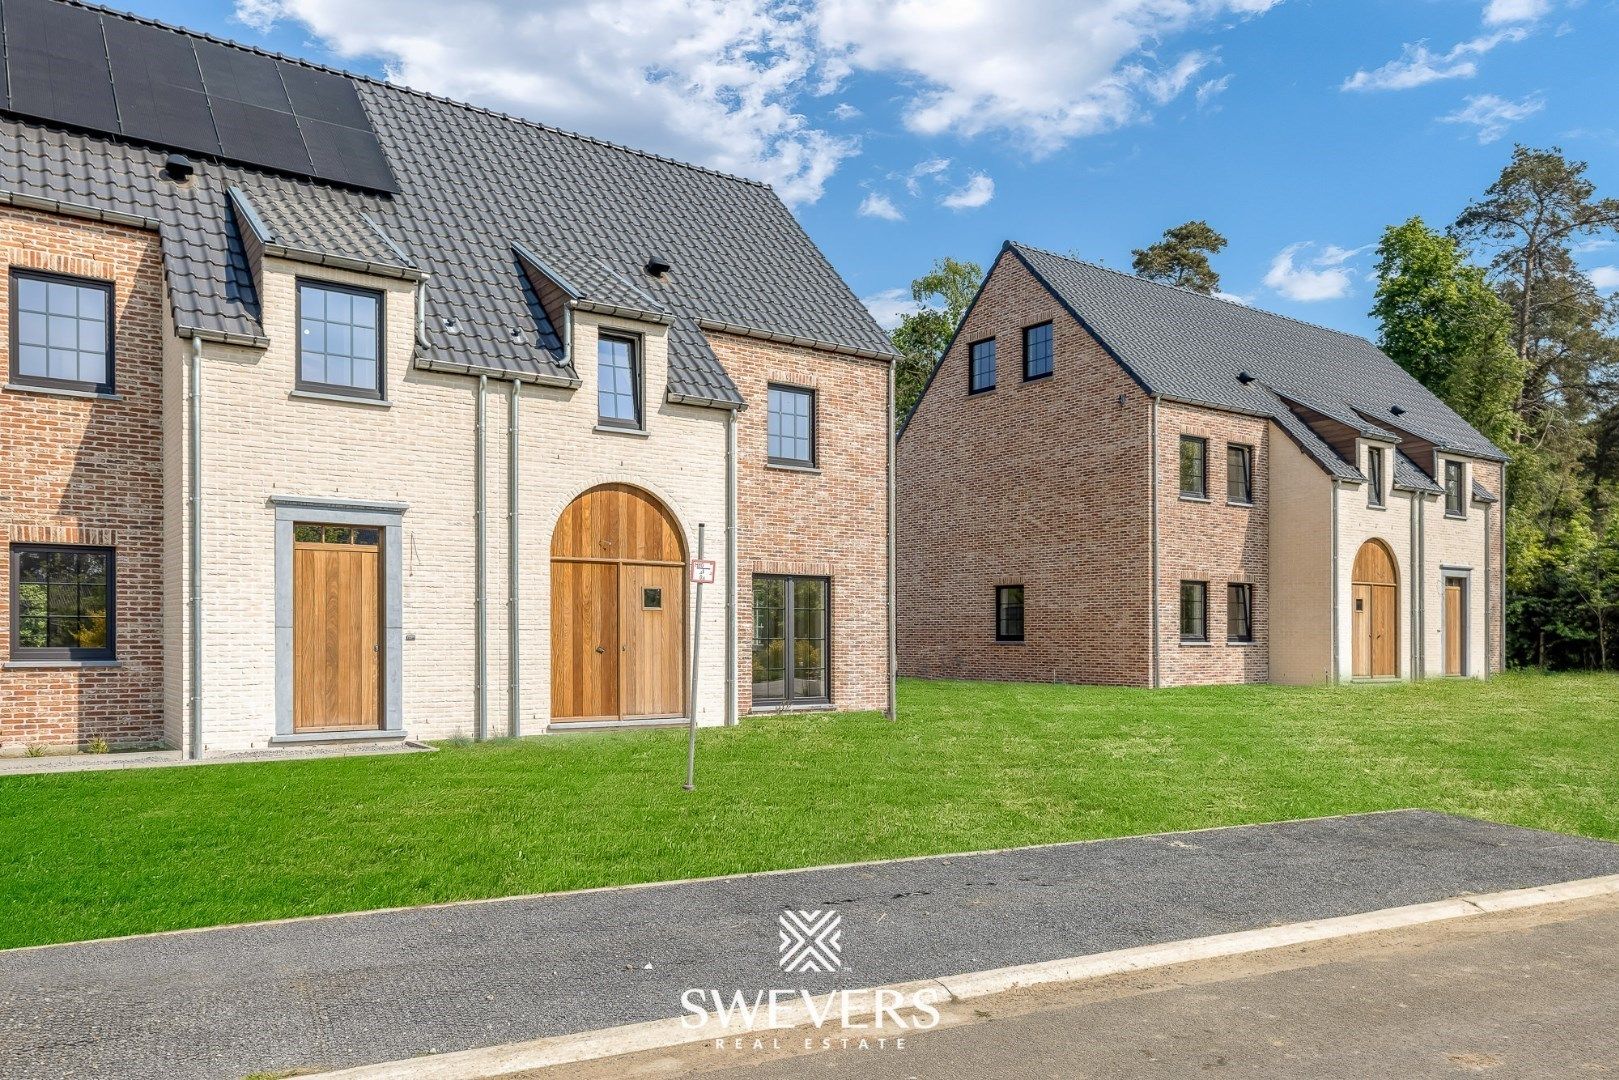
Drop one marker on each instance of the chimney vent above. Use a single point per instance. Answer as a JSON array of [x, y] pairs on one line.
[[658, 266], [1244, 378], [178, 167]]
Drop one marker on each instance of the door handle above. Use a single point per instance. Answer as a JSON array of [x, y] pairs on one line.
[[599, 649]]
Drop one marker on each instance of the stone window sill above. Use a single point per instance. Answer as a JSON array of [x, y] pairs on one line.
[[47, 665], [1195, 498], [62, 391], [634, 433], [1185, 644], [345, 399], [776, 710], [1240, 504], [782, 466], [1237, 644], [362, 735]]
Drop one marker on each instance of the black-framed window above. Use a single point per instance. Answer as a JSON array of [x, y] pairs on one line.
[[1037, 361], [981, 366], [1194, 467], [339, 339], [1374, 476], [791, 621], [61, 331], [1455, 492], [62, 603], [1194, 611], [618, 381], [1008, 613], [791, 426], [1239, 612], [1239, 473]]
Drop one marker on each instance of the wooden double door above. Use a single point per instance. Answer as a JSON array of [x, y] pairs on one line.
[[1376, 624], [618, 609], [336, 628]]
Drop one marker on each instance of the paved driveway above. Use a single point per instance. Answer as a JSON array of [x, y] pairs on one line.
[[389, 985]]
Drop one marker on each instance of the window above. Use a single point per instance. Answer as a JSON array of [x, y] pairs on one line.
[[1374, 476], [791, 426], [618, 382], [1239, 473], [1194, 467], [1455, 495], [1037, 351], [1008, 613], [336, 534], [61, 603], [652, 599], [61, 332], [1194, 611], [339, 340], [789, 641], [981, 377], [1239, 613]]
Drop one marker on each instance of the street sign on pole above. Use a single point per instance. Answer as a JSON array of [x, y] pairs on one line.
[[702, 573]]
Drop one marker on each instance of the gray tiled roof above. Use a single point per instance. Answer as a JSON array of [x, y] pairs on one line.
[[1190, 347], [472, 185]]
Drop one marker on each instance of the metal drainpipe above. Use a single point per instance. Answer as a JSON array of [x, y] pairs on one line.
[[195, 483], [730, 570], [1501, 575], [1152, 514], [480, 709], [1488, 587], [1414, 646], [893, 625], [1334, 674], [514, 715]]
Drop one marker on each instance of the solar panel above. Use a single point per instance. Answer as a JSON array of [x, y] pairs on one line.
[[106, 73]]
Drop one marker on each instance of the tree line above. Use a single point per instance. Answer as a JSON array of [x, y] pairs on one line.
[[1494, 314]]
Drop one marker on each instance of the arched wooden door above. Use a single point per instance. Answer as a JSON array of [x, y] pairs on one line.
[[618, 609], [1377, 613]]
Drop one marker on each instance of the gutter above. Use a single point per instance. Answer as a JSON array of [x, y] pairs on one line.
[[514, 712], [721, 327], [1152, 514], [893, 624], [731, 570], [480, 695], [194, 480]]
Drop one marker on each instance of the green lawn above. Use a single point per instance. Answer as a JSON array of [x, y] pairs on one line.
[[968, 766]]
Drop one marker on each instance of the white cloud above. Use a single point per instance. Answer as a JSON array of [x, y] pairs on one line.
[[1234, 298], [889, 306], [1605, 278], [1324, 277], [1492, 115], [878, 205], [846, 111], [977, 191], [930, 169], [1511, 11], [1208, 91], [1418, 65]]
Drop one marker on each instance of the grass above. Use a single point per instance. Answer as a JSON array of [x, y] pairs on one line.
[[968, 766]]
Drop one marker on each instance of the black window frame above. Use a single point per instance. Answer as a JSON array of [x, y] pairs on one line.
[[1375, 477], [637, 381], [48, 654], [814, 425], [312, 386], [972, 366], [16, 376], [788, 699], [1051, 351], [1245, 589], [1247, 452], [1194, 638], [1002, 629], [1460, 490], [1202, 494]]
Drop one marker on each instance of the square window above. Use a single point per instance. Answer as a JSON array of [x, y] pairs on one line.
[[62, 603], [618, 382], [1194, 611], [791, 426], [1194, 467], [652, 599], [981, 366], [60, 332], [1037, 356], [1009, 613], [339, 339]]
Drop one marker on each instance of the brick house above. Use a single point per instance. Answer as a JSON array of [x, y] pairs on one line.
[[1112, 481], [335, 410]]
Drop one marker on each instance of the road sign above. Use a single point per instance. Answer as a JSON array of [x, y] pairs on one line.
[[702, 571]]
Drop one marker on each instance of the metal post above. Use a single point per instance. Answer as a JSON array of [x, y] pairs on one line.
[[194, 477], [480, 710], [514, 708], [691, 703]]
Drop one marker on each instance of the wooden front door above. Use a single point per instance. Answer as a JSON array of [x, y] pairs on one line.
[[1455, 626], [336, 628], [1376, 622], [618, 609]]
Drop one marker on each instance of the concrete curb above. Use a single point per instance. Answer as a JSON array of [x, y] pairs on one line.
[[667, 1034]]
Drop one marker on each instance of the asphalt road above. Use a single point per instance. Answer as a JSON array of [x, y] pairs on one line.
[[1530, 993], [390, 985]]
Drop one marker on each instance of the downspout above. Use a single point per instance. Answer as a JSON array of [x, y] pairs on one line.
[[730, 570], [1419, 639], [480, 708], [1489, 587], [514, 714], [893, 625], [1489, 629], [1152, 514], [1335, 675], [195, 483]]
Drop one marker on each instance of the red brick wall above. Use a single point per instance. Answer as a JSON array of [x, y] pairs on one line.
[[830, 522], [75, 470], [1215, 542], [1042, 484]]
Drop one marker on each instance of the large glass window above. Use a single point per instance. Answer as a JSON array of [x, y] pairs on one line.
[[339, 339], [1239, 613], [61, 603], [1194, 611], [1374, 476], [1194, 467], [1455, 494], [981, 358], [618, 382], [790, 621], [1009, 613], [61, 332], [1037, 351], [791, 426], [1239, 473]]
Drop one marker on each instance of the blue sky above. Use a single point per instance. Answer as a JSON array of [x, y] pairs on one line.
[[905, 130]]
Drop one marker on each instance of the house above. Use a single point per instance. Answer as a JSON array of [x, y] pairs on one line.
[[1112, 481], [336, 410]]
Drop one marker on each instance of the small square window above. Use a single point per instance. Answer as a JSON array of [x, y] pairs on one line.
[[1194, 467], [339, 339], [1037, 361], [1009, 613], [61, 332], [652, 599], [62, 603], [981, 374]]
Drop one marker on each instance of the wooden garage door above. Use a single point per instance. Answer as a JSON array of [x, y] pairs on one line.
[[336, 628], [618, 609]]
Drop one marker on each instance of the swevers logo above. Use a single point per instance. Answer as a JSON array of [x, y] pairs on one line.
[[811, 941]]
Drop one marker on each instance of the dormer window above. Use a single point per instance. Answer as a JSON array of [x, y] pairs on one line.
[[618, 382], [1455, 490], [1374, 476], [339, 339]]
